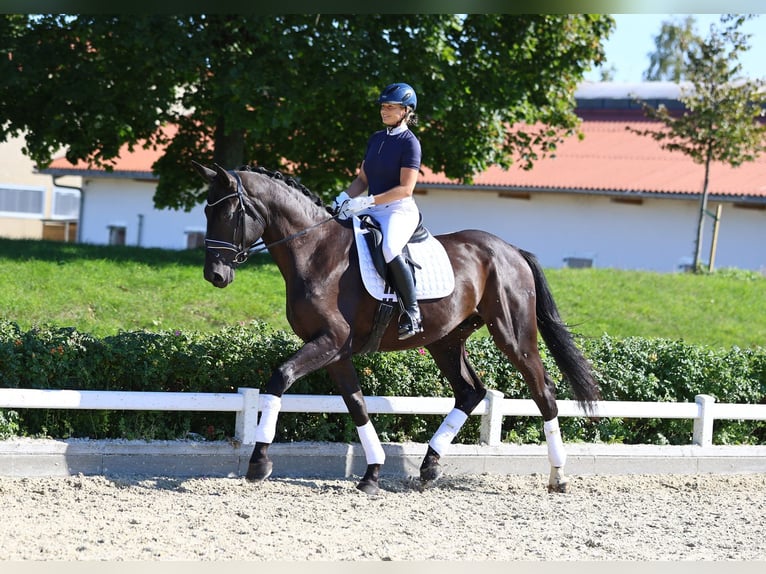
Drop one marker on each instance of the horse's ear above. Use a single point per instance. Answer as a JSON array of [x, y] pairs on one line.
[[224, 177], [220, 172], [206, 173]]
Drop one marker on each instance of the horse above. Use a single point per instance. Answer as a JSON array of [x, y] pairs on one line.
[[496, 284]]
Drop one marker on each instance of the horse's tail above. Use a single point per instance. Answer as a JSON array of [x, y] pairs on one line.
[[571, 362]]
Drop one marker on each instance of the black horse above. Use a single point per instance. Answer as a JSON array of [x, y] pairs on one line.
[[496, 285]]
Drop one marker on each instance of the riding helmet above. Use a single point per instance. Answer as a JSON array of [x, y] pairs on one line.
[[399, 93]]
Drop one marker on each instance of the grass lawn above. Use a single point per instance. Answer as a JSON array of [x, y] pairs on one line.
[[102, 290]]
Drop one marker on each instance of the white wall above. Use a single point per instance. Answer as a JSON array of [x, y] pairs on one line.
[[112, 201], [655, 235]]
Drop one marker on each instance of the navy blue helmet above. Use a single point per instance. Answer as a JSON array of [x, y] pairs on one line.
[[399, 93]]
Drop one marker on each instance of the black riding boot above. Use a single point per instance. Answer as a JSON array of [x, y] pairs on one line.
[[402, 281]]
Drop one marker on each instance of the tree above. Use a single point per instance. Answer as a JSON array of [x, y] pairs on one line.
[[723, 116], [293, 92], [607, 74], [670, 61]]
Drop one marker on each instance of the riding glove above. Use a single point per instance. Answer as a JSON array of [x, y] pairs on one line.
[[355, 205], [337, 203]]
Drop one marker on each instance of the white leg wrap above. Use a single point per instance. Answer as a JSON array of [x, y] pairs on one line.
[[556, 453], [373, 450], [267, 424], [445, 434]]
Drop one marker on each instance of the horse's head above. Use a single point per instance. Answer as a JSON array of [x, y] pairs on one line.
[[232, 224]]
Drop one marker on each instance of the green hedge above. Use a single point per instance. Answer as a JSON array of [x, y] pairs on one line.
[[243, 356]]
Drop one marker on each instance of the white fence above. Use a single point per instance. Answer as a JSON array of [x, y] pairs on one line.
[[704, 411]]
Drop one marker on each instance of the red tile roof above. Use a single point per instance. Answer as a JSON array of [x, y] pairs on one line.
[[137, 163], [612, 159], [609, 159]]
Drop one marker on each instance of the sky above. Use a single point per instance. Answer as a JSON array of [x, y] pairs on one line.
[[630, 44]]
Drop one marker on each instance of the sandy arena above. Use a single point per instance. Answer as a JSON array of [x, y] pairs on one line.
[[461, 518]]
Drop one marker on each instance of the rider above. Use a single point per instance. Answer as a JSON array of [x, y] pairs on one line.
[[389, 173]]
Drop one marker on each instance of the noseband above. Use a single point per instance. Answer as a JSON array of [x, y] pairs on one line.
[[241, 253]]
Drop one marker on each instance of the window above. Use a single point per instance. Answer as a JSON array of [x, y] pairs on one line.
[[195, 239], [116, 234], [580, 260], [66, 203], [21, 201]]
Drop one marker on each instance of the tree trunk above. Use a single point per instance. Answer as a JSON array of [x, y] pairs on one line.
[[696, 264], [229, 150]]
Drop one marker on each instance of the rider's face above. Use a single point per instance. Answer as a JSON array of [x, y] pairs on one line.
[[392, 114]]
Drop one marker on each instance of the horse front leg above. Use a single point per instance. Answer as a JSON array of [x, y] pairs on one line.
[[309, 358], [469, 391], [346, 379]]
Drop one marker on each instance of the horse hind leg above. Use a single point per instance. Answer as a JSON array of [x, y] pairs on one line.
[[557, 481], [543, 393], [519, 344]]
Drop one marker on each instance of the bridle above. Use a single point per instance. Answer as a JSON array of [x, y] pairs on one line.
[[241, 253]]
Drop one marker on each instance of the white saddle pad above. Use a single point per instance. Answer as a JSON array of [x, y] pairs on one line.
[[434, 280]]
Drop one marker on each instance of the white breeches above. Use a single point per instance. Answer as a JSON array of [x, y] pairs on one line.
[[398, 221]]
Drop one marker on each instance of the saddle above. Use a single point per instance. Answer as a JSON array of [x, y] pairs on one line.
[[434, 279]]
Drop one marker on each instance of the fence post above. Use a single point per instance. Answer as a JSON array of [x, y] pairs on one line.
[[703, 425], [247, 418], [492, 420]]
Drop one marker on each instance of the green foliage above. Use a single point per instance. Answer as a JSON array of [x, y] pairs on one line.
[[721, 121], [290, 90], [9, 424], [636, 369], [103, 290], [670, 61], [158, 326], [631, 369]]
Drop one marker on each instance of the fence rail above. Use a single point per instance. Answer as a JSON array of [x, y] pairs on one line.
[[245, 403]]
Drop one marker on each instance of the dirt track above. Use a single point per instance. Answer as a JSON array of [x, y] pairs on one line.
[[657, 517]]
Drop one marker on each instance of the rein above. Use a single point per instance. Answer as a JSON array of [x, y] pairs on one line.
[[240, 252]]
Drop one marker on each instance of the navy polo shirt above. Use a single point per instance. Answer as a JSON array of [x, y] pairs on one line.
[[388, 152]]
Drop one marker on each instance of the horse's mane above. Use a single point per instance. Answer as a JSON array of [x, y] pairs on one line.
[[290, 181]]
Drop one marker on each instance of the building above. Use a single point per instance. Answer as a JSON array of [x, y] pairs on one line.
[[32, 205], [118, 205], [613, 199]]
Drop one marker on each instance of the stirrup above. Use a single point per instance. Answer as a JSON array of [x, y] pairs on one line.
[[409, 326]]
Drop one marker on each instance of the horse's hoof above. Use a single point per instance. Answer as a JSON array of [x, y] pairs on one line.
[[431, 473], [557, 482], [560, 486], [259, 471], [368, 487]]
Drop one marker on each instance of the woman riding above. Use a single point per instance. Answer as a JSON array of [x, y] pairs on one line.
[[389, 173]]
